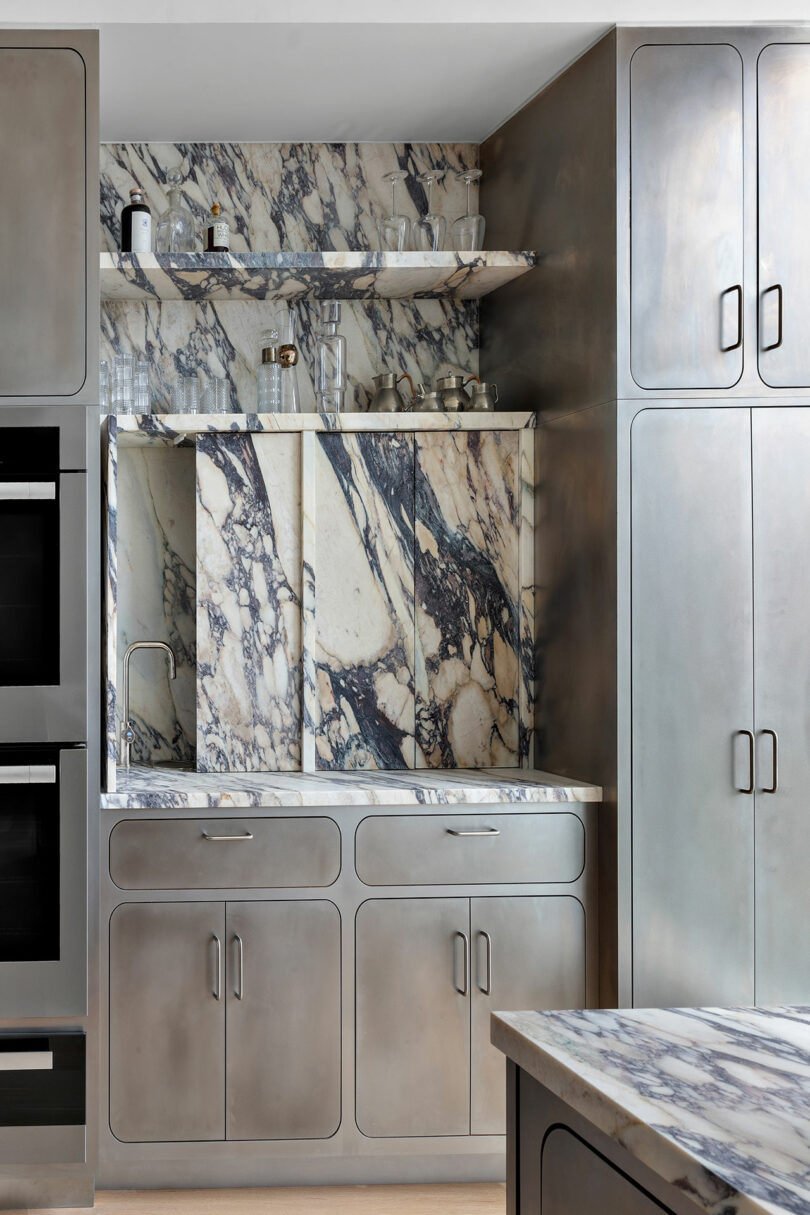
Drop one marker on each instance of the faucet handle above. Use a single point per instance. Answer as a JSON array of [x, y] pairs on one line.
[[127, 732]]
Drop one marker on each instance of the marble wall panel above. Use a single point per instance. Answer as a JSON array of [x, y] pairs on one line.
[[155, 600], [360, 625], [248, 602], [467, 582]]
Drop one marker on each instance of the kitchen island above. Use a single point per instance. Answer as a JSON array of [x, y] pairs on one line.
[[631, 1112]]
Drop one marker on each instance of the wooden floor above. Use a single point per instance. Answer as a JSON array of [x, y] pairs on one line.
[[319, 1200]]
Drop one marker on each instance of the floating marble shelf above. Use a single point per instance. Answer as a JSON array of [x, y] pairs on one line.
[[293, 276]]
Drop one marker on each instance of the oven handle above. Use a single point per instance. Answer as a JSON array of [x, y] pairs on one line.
[[28, 774], [18, 491], [26, 1061]]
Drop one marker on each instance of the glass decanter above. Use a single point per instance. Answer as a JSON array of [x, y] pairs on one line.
[[175, 228]]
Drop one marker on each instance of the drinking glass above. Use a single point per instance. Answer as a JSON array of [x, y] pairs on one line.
[[215, 396], [430, 230], [123, 388], [143, 403], [394, 230], [468, 229], [186, 394], [104, 387]]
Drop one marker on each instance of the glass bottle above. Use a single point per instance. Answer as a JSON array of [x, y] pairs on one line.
[[136, 224], [288, 357], [218, 232], [268, 375], [330, 360], [175, 227]]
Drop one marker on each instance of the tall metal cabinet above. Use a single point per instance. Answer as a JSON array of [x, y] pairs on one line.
[[666, 343]]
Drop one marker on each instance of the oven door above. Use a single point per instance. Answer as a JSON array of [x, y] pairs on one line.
[[42, 587], [43, 882]]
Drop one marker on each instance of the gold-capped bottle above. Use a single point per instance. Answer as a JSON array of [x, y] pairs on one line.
[[218, 232]]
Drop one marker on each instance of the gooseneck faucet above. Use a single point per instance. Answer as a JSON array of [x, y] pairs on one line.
[[127, 728]]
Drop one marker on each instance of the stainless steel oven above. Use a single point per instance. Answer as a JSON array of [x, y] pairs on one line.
[[42, 1098], [43, 574], [43, 881]]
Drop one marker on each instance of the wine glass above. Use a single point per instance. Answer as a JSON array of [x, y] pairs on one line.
[[468, 229], [394, 230], [430, 230]]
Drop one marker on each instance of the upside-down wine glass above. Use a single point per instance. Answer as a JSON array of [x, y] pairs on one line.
[[468, 229], [430, 231], [394, 230]]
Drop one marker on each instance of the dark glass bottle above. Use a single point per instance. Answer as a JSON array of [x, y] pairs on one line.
[[136, 224], [218, 233]]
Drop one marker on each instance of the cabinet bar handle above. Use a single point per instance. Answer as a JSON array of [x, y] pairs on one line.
[[218, 839], [483, 831], [487, 988], [462, 991], [738, 288], [751, 745], [777, 287], [24, 491], [26, 1061], [28, 774], [774, 785], [239, 993], [217, 991]]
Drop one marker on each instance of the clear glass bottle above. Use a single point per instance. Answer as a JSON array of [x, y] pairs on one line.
[[268, 375], [175, 227], [218, 232], [286, 321], [330, 360]]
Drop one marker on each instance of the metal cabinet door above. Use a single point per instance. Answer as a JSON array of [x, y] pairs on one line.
[[43, 243], [781, 460], [528, 952], [413, 1017], [167, 1022], [686, 216], [578, 1178], [692, 678], [783, 103], [283, 1020]]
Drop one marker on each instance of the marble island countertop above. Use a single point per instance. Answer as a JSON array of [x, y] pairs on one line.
[[716, 1101], [143, 787]]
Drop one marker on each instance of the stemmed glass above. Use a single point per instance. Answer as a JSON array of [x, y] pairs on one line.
[[430, 231], [468, 229], [394, 230]]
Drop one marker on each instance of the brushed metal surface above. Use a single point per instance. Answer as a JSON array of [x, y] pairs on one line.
[[781, 458], [413, 1026], [42, 1145], [577, 1180], [167, 1030], [283, 1020], [692, 656], [173, 854], [415, 850], [686, 215], [43, 252], [783, 103], [536, 960]]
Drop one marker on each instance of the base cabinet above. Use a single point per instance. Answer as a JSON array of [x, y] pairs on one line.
[[429, 972], [195, 984]]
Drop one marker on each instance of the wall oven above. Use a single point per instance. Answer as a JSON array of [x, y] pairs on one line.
[[43, 574], [43, 881], [42, 1098]]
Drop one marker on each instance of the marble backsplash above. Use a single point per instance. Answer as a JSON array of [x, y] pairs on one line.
[[288, 197]]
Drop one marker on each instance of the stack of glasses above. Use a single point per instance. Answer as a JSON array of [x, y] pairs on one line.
[[127, 389]]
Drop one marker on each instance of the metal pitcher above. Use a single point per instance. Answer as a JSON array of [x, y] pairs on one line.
[[427, 402], [451, 391], [484, 396], [387, 398]]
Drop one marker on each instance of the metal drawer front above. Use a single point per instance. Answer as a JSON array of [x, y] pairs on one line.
[[224, 854], [470, 848]]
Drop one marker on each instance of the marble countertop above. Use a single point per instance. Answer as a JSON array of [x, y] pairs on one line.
[[156, 788], [716, 1101]]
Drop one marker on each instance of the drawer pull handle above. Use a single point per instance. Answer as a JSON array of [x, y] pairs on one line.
[[218, 839], [483, 831], [28, 774], [26, 1061]]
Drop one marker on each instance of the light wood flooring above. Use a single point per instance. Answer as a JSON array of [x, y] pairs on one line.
[[318, 1200]]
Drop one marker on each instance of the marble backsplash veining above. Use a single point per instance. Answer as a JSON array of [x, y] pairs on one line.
[[291, 197]]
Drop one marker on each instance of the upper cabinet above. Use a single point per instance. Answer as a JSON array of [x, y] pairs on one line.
[[48, 149], [783, 101], [686, 216]]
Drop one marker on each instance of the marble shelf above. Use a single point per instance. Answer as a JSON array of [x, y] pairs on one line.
[[141, 788], [294, 276]]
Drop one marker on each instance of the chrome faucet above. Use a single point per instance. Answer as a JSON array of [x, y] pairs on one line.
[[127, 728]]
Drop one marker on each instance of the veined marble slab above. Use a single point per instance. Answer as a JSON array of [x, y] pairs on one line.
[[467, 598], [170, 427], [361, 632], [143, 788], [715, 1101], [248, 602]]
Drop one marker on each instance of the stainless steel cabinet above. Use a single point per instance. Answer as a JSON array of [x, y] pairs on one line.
[[692, 671], [283, 1020], [194, 983], [578, 1180], [43, 245], [686, 216], [167, 1021], [429, 972], [783, 100]]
